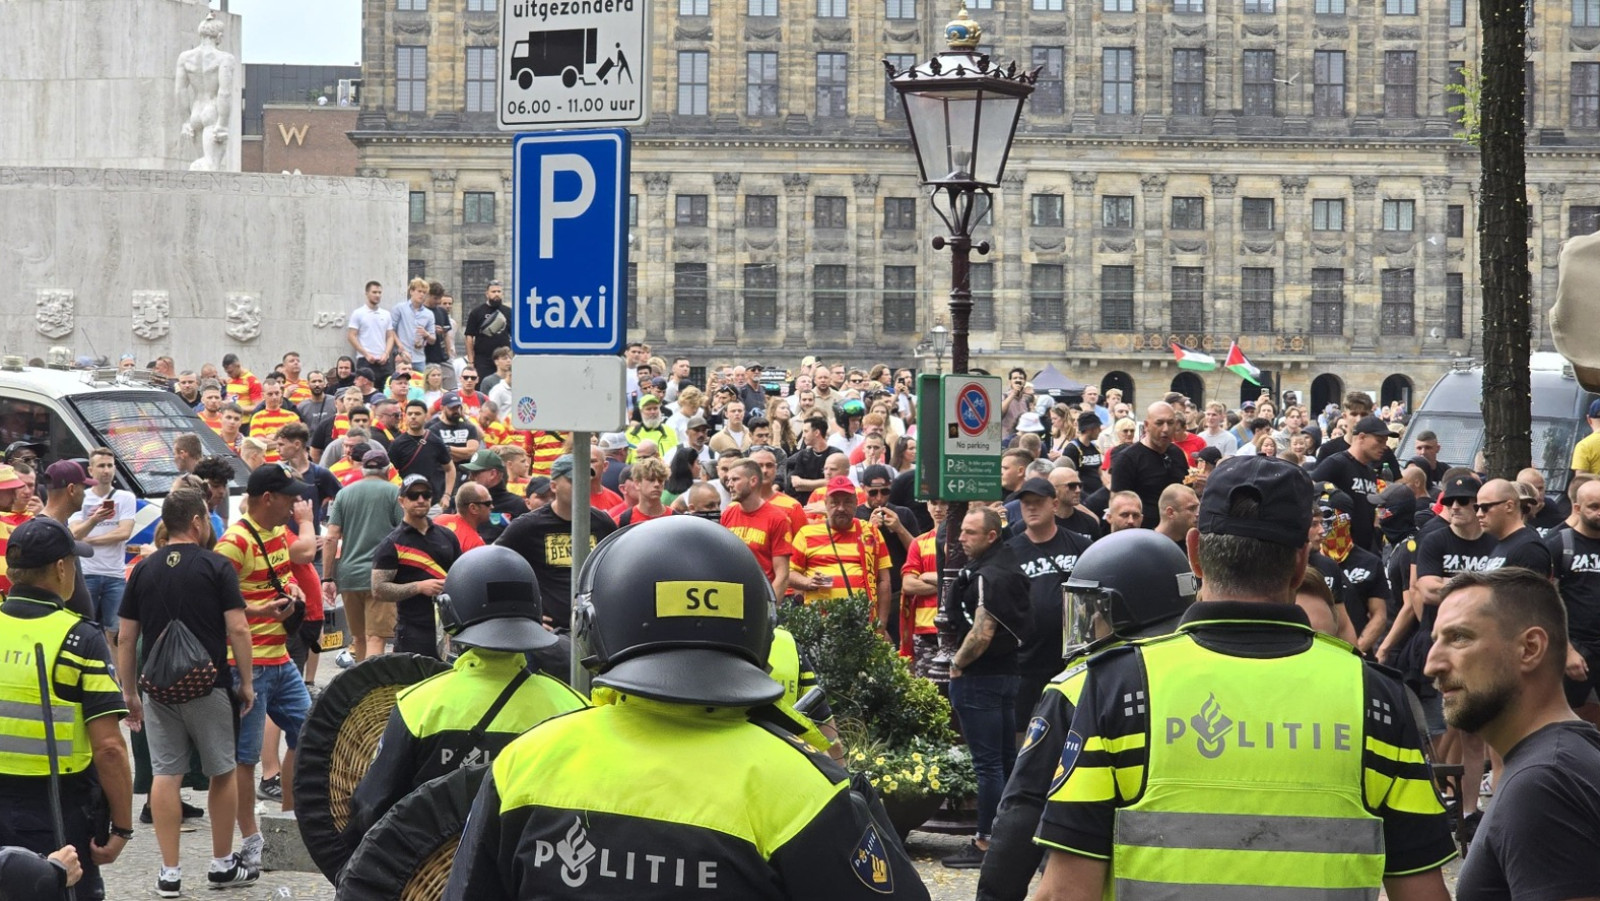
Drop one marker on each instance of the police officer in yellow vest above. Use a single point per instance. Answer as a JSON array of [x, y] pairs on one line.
[[1244, 756], [491, 607], [680, 786], [1131, 584], [85, 703]]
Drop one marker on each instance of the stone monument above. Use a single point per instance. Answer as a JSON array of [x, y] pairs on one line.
[[128, 226], [208, 85]]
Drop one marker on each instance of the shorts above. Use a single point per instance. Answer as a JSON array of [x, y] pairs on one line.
[[415, 630], [207, 724], [106, 593], [356, 606], [380, 618], [281, 694]]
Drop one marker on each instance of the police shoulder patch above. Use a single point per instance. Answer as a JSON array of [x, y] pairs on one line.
[[1038, 728], [869, 860], [1069, 672], [1070, 749]]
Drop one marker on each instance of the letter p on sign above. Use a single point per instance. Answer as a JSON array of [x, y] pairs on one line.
[[551, 209]]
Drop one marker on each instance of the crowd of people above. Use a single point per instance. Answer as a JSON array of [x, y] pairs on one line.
[[372, 478]]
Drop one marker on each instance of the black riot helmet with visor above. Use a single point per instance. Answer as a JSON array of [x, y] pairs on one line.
[[1122, 586], [677, 609]]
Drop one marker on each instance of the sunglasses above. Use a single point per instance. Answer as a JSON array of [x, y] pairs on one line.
[[1460, 501], [420, 496], [877, 492], [1485, 508], [473, 503], [469, 378]]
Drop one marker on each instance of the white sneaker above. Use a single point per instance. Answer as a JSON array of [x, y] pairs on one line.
[[345, 659]]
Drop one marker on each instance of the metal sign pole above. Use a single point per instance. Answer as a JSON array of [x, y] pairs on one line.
[[580, 545]]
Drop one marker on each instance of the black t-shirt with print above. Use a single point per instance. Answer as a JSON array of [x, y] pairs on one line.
[[1047, 566], [1359, 481], [188, 583]]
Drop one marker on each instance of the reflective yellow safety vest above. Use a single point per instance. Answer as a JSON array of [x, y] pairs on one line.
[[784, 660], [1254, 785], [23, 749]]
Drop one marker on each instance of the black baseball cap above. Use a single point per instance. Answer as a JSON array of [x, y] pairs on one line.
[[1371, 425], [1398, 503], [877, 472], [366, 372], [42, 541], [1089, 420], [1212, 455], [1461, 486], [1039, 486], [1335, 498], [273, 478], [1282, 490], [12, 448]]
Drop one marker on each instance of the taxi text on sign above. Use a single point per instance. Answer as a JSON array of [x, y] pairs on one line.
[[569, 242], [573, 63]]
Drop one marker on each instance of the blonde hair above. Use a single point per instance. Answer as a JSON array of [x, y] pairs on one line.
[[417, 283]]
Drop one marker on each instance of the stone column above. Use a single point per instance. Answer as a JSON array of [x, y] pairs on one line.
[[793, 310], [1010, 303], [1543, 286], [866, 304], [1296, 230], [655, 271], [1435, 252], [1224, 319], [724, 281], [1152, 303], [444, 224], [1360, 291], [1079, 277]]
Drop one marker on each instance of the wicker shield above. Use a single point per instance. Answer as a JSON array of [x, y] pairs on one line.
[[339, 743], [407, 855]]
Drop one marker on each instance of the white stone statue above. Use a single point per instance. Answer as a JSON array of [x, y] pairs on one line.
[[207, 83]]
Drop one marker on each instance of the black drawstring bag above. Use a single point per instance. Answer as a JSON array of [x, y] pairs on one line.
[[177, 668]]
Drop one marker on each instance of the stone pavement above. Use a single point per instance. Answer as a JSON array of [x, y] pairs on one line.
[[134, 875]]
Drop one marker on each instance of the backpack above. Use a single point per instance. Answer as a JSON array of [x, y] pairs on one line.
[[177, 668]]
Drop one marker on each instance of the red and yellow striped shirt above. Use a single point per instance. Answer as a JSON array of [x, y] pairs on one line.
[[269, 641], [543, 448], [766, 532], [917, 611], [850, 560], [296, 391], [266, 423], [348, 473], [214, 420], [244, 390], [792, 509], [496, 433]]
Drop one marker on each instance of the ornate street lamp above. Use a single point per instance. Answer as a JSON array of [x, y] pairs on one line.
[[962, 109], [939, 337]]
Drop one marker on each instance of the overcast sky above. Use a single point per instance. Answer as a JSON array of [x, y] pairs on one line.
[[308, 32]]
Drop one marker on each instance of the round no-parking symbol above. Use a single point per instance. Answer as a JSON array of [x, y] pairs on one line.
[[972, 409]]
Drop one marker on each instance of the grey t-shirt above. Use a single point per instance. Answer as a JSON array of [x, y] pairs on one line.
[[365, 512]]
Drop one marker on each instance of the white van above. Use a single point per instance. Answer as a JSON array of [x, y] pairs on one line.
[[71, 412]]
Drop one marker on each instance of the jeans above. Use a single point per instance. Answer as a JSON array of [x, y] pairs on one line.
[[985, 706], [106, 592], [281, 694]]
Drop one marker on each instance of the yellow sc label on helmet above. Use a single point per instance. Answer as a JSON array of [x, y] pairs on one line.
[[700, 598]]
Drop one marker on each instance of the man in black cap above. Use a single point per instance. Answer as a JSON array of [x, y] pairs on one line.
[[410, 566], [895, 522], [1084, 453], [24, 452], [1047, 553], [544, 538], [1366, 588], [1353, 471], [1460, 546], [85, 702], [1169, 736]]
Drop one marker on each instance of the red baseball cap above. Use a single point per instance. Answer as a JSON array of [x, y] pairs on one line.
[[841, 485]]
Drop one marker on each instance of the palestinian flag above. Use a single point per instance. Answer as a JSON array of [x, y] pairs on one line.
[[1241, 365], [1188, 358]]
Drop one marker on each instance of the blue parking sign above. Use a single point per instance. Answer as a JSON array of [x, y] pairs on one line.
[[569, 239]]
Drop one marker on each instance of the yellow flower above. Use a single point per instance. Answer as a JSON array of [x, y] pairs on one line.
[[917, 756], [934, 784], [933, 770], [860, 756], [878, 761]]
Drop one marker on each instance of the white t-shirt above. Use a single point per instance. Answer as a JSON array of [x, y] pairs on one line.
[[372, 328], [108, 558]]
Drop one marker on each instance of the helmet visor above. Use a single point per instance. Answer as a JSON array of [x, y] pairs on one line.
[[1081, 608]]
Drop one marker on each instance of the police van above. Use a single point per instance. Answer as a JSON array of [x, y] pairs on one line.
[[71, 411], [1453, 411]]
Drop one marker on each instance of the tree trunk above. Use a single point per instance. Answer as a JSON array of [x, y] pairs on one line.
[[1503, 240]]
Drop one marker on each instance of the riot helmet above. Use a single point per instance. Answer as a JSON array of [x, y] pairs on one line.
[[1128, 581], [677, 609], [491, 601]]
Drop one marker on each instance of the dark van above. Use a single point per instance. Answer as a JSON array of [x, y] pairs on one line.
[[1452, 410]]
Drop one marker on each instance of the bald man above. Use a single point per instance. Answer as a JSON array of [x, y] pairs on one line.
[[1180, 510], [1148, 467], [1500, 514]]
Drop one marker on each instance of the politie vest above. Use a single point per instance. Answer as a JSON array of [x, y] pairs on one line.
[[645, 795], [1254, 781], [23, 749], [440, 712], [784, 660]]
